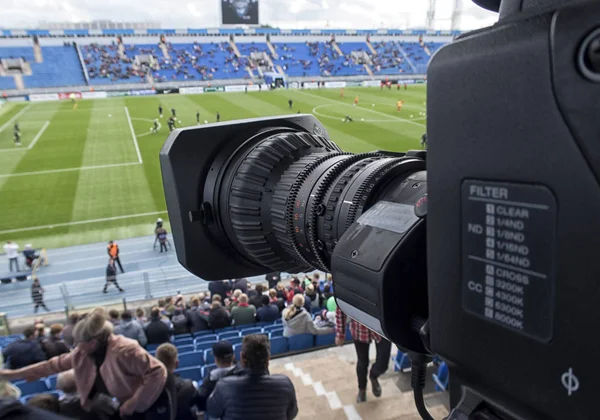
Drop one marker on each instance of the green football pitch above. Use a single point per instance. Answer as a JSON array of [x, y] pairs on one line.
[[92, 173]]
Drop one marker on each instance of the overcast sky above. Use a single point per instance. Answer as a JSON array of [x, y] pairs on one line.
[[347, 14]]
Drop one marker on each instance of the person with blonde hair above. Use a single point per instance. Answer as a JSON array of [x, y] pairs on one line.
[[235, 299], [112, 373], [296, 320]]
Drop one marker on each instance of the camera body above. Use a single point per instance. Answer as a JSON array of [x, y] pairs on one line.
[[486, 259], [513, 170]]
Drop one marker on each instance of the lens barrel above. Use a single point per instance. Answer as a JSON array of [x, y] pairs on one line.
[[284, 198]]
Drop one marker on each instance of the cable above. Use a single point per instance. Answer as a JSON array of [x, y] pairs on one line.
[[418, 375]]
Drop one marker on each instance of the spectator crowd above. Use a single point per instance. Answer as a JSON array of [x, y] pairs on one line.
[[104, 372]]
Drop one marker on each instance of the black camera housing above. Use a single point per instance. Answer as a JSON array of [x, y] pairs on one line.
[[509, 104]]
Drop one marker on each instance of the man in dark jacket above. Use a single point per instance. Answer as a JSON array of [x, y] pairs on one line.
[[180, 322], [273, 279], [111, 276], [198, 318], [186, 392], [241, 284], [157, 332], [219, 288], [53, 345], [267, 312], [219, 317], [224, 358], [254, 395], [255, 296], [25, 351]]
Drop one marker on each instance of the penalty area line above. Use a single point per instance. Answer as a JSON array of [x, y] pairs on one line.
[[38, 135], [135, 143]]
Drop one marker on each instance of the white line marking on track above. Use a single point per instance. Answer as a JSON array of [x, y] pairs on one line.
[[307, 379], [83, 222], [319, 388], [137, 148], [351, 412], [38, 135], [333, 400], [17, 115], [55, 171]]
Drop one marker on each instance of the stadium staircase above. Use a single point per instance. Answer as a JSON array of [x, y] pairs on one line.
[[121, 50], [272, 49], [82, 63], [326, 389], [406, 58], [370, 46], [235, 48], [165, 51], [19, 81], [336, 47], [37, 53], [368, 69]]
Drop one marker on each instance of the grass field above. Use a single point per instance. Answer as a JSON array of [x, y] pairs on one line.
[[92, 174]]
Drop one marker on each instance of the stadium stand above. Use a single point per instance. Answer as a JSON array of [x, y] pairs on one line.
[[206, 60]]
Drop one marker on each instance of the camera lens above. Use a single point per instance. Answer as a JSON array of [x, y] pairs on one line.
[[284, 198]]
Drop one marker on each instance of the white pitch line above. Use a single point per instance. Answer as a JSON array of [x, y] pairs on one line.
[[82, 222], [137, 148], [55, 171], [17, 115], [38, 135]]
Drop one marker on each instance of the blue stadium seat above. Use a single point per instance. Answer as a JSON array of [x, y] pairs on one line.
[[206, 369], [276, 333], [152, 347], [191, 359], [271, 327], [226, 329], [51, 382], [35, 387], [441, 378], [279, 345], [202, 345], [205, 334], [226, 335], [401, 362], [278, 322], [186, 348], [253, 330], [325, 340], [209, 358], [301, 342], [183, 342], [194, 373], [237, 349], [181, 336], [26, 398], [235, 340]]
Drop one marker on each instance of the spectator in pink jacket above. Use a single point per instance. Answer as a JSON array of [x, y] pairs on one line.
[[112, 373]]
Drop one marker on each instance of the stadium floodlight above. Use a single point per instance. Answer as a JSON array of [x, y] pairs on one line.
[[482, 250]]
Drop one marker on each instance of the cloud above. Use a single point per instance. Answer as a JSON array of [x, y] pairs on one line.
[[350, 14]]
